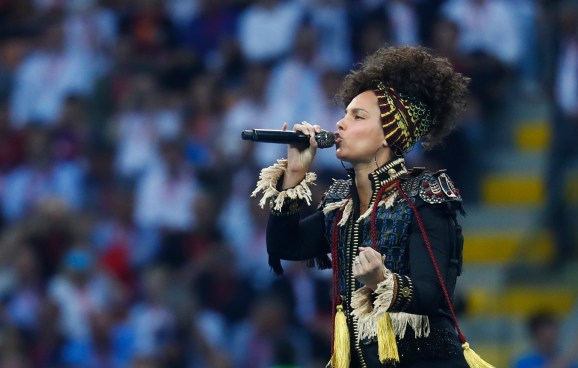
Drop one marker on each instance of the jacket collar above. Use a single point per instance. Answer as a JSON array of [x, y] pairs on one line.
[[385, 174]]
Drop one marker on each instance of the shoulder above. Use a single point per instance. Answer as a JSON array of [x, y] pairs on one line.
[[338, 191], [433, 188]]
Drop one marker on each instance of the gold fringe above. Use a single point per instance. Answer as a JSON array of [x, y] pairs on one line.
[[473, 359], [341, 348], [386, 340]]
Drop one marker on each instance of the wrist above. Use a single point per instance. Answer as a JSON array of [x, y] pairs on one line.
[[292, 178]]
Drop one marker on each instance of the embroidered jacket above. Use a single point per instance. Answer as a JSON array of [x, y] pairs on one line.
[[410, 292]]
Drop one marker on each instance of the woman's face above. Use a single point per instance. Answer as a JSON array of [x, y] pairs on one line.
[[359, 133]]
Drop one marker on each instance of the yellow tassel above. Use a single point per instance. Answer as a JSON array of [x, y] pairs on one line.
[[473, 359], [386, 340], [341, 348]]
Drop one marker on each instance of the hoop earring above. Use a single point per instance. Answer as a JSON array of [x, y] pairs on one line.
[[346, 169]]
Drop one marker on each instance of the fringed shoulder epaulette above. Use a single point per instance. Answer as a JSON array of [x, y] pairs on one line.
[[433, 188]]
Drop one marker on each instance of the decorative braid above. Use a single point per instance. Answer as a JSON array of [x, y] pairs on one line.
[[336, 299], [462, 337]]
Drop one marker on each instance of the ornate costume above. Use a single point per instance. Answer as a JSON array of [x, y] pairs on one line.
[[410, 294], [407, 319]]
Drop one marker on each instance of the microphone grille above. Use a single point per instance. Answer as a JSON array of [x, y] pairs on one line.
[[325, 139]]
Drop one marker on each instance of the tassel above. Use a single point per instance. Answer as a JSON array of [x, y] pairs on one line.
[[386, 340], [341, 348], [473, 359]]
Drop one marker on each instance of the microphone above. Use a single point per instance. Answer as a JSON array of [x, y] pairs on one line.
[[324, 139]]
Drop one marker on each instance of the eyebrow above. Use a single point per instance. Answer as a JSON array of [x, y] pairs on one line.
[[357, 109]]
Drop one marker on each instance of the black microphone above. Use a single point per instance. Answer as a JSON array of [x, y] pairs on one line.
[[324, 139]]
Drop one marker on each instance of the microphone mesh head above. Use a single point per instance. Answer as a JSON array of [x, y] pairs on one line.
[[325, 139]]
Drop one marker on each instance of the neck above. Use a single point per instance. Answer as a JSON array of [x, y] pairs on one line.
[[362, 171]]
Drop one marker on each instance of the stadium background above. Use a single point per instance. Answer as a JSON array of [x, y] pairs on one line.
[[127, 235]]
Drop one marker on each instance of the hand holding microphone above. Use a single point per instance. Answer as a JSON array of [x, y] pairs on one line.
[[303, 142], [323, 138]]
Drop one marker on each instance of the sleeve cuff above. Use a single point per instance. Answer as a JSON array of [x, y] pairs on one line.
[[393, 295], [286, 201], [369, 306], [403, 294]]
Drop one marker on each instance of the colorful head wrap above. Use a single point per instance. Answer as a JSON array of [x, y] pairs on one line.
[[404, 119]]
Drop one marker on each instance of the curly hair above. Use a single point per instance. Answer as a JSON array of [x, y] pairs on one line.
[[414, 71]]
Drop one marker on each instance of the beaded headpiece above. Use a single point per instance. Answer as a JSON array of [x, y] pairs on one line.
[[404, 119]]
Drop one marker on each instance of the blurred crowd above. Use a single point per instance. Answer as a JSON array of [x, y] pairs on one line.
[[127, 235]]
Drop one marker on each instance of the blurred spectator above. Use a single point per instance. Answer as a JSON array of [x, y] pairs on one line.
[[42, 175], [371, 34], [166, 193], [13, 50], [563, 148], [267, 29], [117, 242], [49, 65], [150, 318], [294, 92], [81, 294], [148, 27], [181, 66], [403, 17], [70, 134], [90, 30], [543, 329], [50, 230], [267, 339], [214, 23], [329, 17], [220, 286], [12, 144], [243, 226], [250, 111], [143, 120], [181, 11], [25, 296], [527, 12], [482, 23], [490, 64], [201, 122]]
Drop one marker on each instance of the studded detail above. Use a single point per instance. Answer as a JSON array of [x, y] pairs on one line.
[[432, 188], [406, 292], [336, 192], [403, 294]]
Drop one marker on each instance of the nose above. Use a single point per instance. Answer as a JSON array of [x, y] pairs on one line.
[[339, 124]]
